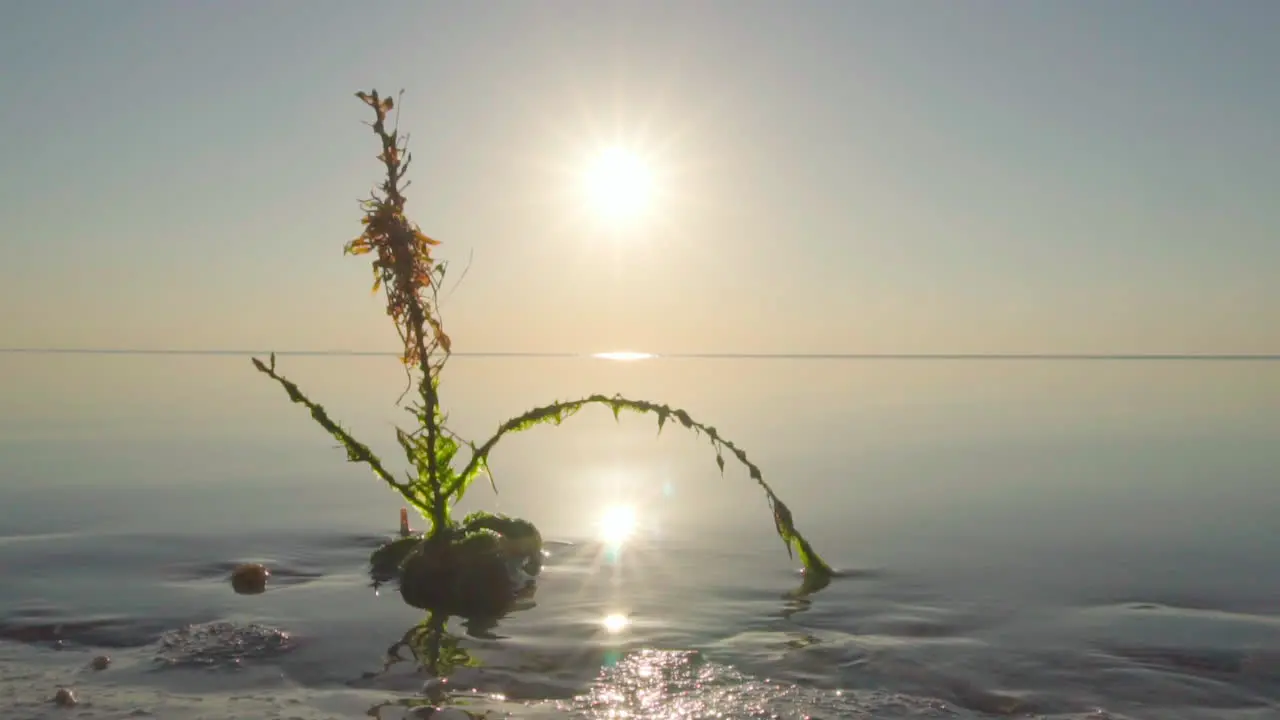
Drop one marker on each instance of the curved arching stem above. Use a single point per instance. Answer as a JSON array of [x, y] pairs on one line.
[[557, 412]]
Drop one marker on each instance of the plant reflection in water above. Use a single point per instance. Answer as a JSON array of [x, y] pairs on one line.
[[630, 679], [438, 653]]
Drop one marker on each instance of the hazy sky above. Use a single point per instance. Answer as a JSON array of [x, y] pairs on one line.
[[837, 176]]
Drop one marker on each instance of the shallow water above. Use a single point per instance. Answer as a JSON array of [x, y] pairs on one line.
[[1084, 540]]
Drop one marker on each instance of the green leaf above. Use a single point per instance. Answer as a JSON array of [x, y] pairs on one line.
[[356, 451]]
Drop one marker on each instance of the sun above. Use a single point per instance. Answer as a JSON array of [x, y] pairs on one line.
[[619, 184], [617, 525]]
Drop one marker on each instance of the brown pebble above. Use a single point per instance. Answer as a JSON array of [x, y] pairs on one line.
[[100, 663], [64, 698], [250, 579]]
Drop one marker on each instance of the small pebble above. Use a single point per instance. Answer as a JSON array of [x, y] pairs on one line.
[[64, 698], [100, 663], [250, 579]]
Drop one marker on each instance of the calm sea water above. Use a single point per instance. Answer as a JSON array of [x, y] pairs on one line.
[[1064, 539]]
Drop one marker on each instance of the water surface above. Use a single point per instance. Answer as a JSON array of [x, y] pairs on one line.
[[1064, 539]]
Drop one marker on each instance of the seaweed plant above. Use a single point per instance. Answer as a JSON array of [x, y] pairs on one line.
[[479, 565]]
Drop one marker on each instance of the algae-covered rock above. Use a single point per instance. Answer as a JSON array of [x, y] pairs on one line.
[[467, 583], [521, 541], [385, 562], [479, 570]]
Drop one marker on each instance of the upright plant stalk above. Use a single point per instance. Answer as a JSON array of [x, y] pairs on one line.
[[410, 277], [406, 269]]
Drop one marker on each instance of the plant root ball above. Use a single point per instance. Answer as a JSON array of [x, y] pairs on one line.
[[250, 579]]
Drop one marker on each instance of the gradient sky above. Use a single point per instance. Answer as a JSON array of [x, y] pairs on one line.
[[839, 176]]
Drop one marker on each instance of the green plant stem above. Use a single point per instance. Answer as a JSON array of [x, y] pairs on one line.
[[431, 402], [417, 324]]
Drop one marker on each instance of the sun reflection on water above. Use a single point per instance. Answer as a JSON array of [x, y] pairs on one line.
[[615, 623], [624, 355]]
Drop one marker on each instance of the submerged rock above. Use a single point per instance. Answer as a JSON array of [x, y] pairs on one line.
[[221, 644]]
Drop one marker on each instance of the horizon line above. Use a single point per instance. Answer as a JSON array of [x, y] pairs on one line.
[[606, 355]]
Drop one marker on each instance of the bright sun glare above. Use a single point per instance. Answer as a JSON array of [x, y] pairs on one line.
[[619, 184], [615, 623], [617, 524], [623, 355]]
